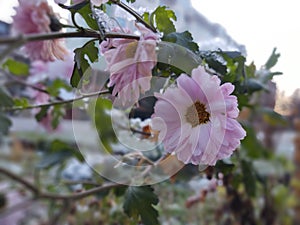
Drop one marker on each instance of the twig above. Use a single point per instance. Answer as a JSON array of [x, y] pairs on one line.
[[20, 180], [80, 195], [134, 13], [55, 103], [22, 39], [46, 195]]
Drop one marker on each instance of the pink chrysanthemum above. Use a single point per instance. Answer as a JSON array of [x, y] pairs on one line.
[[37, 17], [130, 63], [197, 119]]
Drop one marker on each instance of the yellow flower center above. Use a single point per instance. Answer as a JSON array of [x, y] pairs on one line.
[[196, 114]]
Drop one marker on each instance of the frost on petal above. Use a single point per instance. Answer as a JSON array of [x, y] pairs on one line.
[[199, 115]]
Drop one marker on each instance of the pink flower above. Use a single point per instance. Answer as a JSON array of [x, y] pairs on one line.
[[130, 63], [37, 17], [197, 119]]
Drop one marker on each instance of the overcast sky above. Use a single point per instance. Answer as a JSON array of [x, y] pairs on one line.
[[260, 25]]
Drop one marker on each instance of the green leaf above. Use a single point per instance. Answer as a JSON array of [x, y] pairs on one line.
[[139, 201], [16, 67], [130, 1], [5, 124], [6, 100], [90, 51], [252, 146], [224, 166], [252, 85], [100, 114], [21, 102], [184, 39], [55, 87], [57, 113], [42, 113], [250, 70], [163, 18], [249, 179], [56, 153], [146, 17], [58, 146], [213, 60], [85, 11], [273, 59], [49, 160]]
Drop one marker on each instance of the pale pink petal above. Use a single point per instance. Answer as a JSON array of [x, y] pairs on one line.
[[216, 135]]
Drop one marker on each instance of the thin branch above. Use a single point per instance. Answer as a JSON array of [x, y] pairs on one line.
[[80, 195], [55, 103], [134, 13], [20, 180], [22, 39], [46, 195]]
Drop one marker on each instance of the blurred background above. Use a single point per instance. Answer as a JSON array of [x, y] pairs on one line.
[[253, 28]]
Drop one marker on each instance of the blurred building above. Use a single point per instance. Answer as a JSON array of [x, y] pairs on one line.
[[208, 35]]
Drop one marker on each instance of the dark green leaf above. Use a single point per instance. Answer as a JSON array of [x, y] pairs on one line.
[[253, 85], [252, 146], [16, 67], [5, 124], [49, 160], [214, 61], [81, 63], [6, 100], [42, 113], [163, 19], [249, 179], [272, 60], [55, 87], [184, 39], [139, 201], [224, 166], [76, 76], [56, 153], [57, 113], [100, 114], [232, 54], [86, 13], [130, 1]]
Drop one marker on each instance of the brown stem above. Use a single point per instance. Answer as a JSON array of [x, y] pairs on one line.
[[20, 180], [55, 35], [80, 195], [46, 195]]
